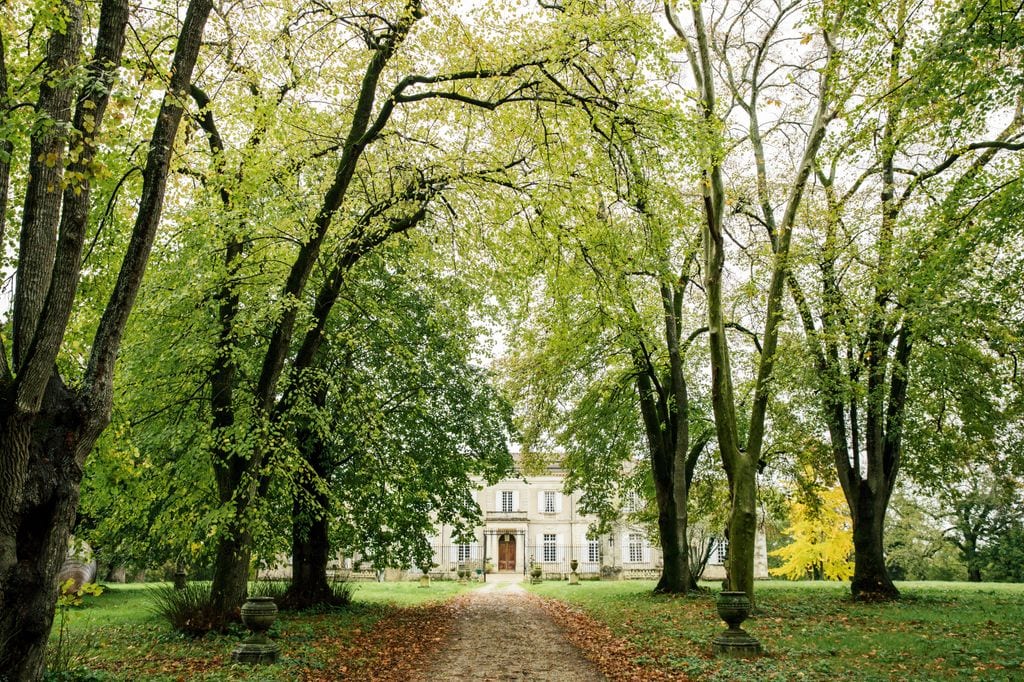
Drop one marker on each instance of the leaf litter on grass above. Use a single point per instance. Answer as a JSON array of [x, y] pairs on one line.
[[616, 658]]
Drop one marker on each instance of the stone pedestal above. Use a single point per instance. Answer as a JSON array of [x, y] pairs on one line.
[[733, 608], [258, 614]]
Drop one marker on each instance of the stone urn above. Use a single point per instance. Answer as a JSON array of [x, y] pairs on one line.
[[734, 608], [574, 577], [258, 614], [535, 572]]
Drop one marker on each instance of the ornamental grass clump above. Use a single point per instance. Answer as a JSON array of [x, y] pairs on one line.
[[189, 610]]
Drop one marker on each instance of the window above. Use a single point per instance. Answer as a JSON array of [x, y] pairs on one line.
[[636, 548], [593, 551], [463, 552], [720, 551], [632, 503], [549, 501], [550, 549], [506, 500]]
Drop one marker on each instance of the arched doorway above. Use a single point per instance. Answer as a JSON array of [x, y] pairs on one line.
[[506, 552]]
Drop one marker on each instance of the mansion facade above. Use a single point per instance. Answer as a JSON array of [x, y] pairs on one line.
[[530, 519]]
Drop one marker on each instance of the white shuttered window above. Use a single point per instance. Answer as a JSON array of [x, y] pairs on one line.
[[549, 547], [635, 548]]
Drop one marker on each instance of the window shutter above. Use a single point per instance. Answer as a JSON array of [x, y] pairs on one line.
[[497, 500], [515, 500], [473, 553], [647, 552], [560, 547], [540, 501], [558, 502]]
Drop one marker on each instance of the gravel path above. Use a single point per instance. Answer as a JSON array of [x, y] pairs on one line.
[[500, 633]]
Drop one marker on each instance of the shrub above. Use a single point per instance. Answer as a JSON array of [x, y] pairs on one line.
[[62, 656], [189, 610], [337, 595], [342, 591], [269, 588]]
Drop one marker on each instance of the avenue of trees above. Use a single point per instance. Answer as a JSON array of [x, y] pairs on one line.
[[253, 252]]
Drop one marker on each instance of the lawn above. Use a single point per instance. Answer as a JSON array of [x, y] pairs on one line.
[[812, 631], [115, 636]]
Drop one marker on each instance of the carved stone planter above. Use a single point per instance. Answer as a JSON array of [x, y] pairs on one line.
[[574, 577], [535, 574], [258, 614], [734, 608]]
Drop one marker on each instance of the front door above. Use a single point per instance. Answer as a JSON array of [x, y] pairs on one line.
[[506, 552]]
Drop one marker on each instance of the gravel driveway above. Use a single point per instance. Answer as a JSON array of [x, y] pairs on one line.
[[500, 633]]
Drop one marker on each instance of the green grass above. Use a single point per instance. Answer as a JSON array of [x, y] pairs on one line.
[[118, 637], [813, 631], [406, 593]]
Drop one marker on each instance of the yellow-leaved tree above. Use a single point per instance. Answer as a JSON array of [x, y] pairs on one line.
[[822, 544]]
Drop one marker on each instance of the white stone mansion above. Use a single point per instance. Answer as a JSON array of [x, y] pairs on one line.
[[529, 518]]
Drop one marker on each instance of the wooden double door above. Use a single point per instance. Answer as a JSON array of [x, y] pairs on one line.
[[506, 552]]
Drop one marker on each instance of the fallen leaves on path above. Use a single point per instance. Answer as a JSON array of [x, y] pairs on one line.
[[395, 648], [617, 659]]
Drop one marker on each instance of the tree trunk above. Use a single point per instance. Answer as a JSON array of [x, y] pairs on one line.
[[871, 580], [234, 545], [671, 495], [675, 571], [311, 546], [743, 528], [969, 550], [231, 570], [47, 430], [56, 443], [310, 553]]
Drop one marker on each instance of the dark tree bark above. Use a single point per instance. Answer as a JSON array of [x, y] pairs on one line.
[[311, 547], [311, 551], [47, 428], [671, 501], [871, 581], [664, 408]]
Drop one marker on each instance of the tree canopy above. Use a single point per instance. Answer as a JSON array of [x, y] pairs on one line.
[[760, 241]]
